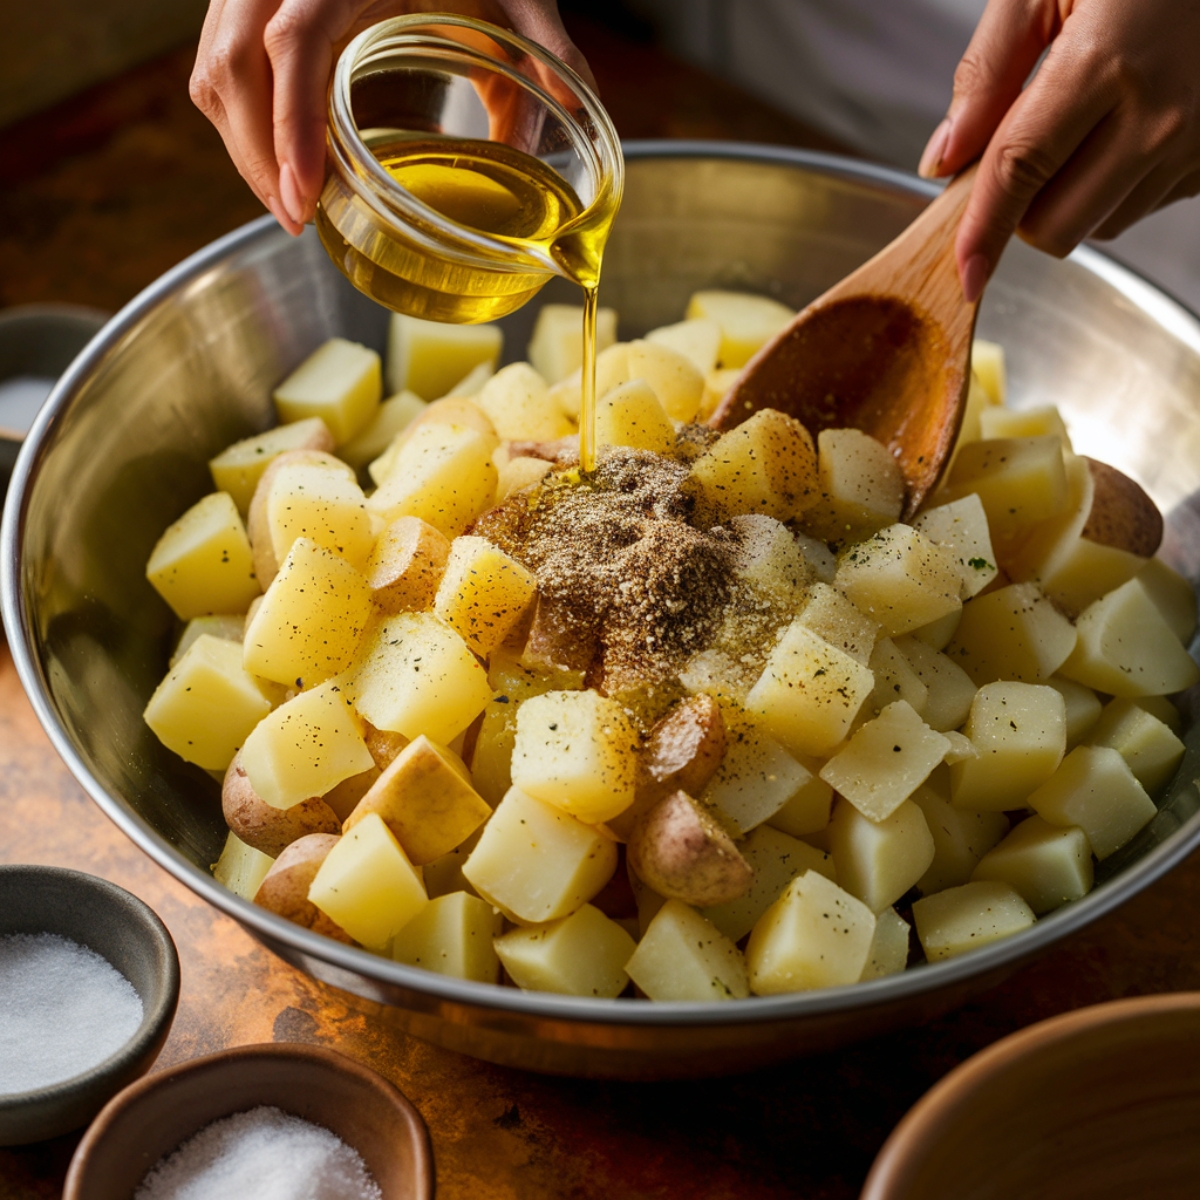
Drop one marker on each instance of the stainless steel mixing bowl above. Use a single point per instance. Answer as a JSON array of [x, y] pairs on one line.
[[121, 447]]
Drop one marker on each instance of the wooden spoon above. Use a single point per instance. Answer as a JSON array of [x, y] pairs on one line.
[[887, 351]]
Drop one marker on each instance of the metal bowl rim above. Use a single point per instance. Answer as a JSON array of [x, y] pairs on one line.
[[1006, 954]]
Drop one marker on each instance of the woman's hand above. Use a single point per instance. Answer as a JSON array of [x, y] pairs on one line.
[[1107, 131], [263, 67]]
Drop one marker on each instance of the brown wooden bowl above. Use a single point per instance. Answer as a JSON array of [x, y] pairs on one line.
[[153, 1116], [1102, 1104]]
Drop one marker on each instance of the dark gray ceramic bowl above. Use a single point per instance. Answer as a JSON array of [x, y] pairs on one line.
[[121, 929]]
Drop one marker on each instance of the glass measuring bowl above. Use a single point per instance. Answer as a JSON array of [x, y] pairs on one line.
[[445, 82]]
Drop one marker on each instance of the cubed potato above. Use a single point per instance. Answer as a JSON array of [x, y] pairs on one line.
[[714, 673], [238, 468], [241, 868], [970, 429], [1163, 709], [949, 690], [406, 566], [747, 322], [889, 946], [860, 485], [1126, 648], [202, 564], [1012, 633], [819, 557], [392, 417], [321, 505], [767, 465], [683, 957], [830, 615], [999, 422], [937, 634], [1083, 708], [429, 357], [961, 747], [1152, 751], [444, 875], [227, 628], [1095, 789], [416, 675], [770, 559], [450, 410], [807, 810], [518, 403], [576, 750], [968, 917], [885, 761], [809, 692], [630, 415], [305, 747], [960, 838], [537, 862], [1173, 596], [443, 474], [483, 593], [519, 473], [895, 679], [311, 620], [676, 380], [452, 935], [899, 578], [612, 370], [1020, 731], [716, 387], [556, 347], [367, 886], [264, 826], [341, 382], [580, 955], [426, 799], [878, 861], [471, 384], [776, 860], [208, 704], [987, 362], [1046, 865], [961, 527], [815, 935], [284, 889], [698, 340]]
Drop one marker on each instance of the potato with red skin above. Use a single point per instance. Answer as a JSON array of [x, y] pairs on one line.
[[262, 825], [284, 890]]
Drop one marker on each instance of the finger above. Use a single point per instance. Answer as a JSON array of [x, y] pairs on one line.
[[539, 21], [1161, 187], [1004, 49]]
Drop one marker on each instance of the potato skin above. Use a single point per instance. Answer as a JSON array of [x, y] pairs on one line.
[[1122, 515], [680, 850], [284, 890], [265, 827]]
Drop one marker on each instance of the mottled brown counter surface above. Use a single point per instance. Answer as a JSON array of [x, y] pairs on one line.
[[99, 197]]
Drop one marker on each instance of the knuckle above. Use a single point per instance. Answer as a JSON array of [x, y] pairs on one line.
[[971, 75], [288, 26], [1023, 169]]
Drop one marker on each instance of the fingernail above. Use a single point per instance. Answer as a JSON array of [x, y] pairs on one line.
[[935, 151], [289, 194], [974, 277]]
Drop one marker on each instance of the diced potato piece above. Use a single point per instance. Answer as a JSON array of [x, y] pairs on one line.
[[1172, 595], [895, 679], [819, 557], [208, 703], [809, 692], [416, 676], [1012, 633], [483, 593], [776, 860], [238, 468], [443, 474], [340, 382], [452, 935], [406, 565], [747, 322], [426, 799], [1126, 648], [677, 381], [948, 688], [1083, 708], [1163, 709], [1020, 730], [202, 564], [321, 505], [1047, 865], [937, 634], [520, 472], [968, 917], [284, 889], [770, 559], [698, 340], [1149, 747], [537, 862], [391, 418], [716, 387], [960, 839], [429, 357], [444, 875], [961, 527], [860, 484], [885, 761], [556, 348], [450, 410], [518, 403], [987, 362], [471, 384], [878, 861], [961, 747], [630, 415], [228, 628], [612, 370], [767, 464], [367, 886], [889, 946], [305, 747], [831, 616], [241, 868], [807, 811], [971, 427], [683, 957], [311, 619], [581, 955], [815, 935], [1095, 789], [998, 422], [576, 750]]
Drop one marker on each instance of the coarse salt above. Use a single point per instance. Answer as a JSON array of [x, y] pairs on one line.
[[264, 1153], [64, 1009]]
